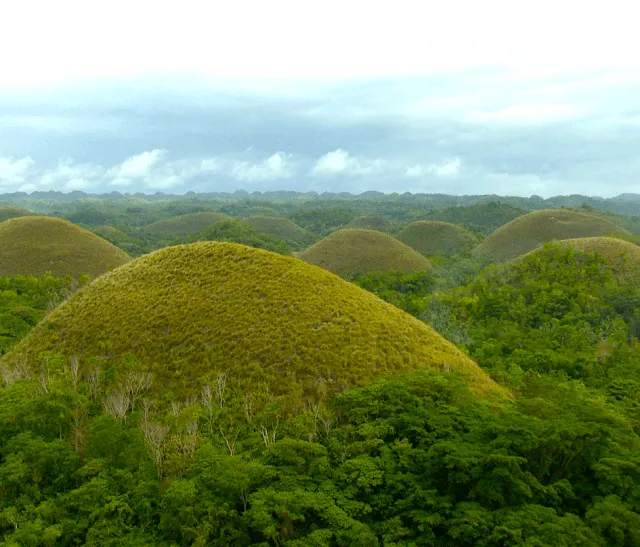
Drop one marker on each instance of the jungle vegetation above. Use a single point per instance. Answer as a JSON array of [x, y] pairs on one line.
[[217, 392]]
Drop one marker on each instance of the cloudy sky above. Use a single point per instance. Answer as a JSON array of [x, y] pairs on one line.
[[459, 97]]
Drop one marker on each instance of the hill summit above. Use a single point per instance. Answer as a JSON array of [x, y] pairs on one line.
[[270, 323], [34, 245], [530, 231], [355, 251]]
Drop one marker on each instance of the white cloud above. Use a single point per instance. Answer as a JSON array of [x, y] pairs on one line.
[[139, 166], [448, 168], [14, 171], [67, 171], [341, 162], [277, 166]]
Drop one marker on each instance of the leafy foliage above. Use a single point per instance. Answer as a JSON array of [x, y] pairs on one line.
[[183, 225], [556, 310], [7, 212], [25, 300]]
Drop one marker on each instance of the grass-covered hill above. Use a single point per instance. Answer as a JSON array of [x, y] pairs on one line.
[[282, 228], [112, 234], [371, 222], [271, 324], [482, 217], [432, 237], [622, 255], [183, 225], [528, 232], [35, 245], [354, 251], [8, 211]]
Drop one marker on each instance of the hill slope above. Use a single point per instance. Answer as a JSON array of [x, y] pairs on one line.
[[282, 228], [623, 255], [437, 238], [183, 225], [270, 323], [34, 245], [530, 231], [354, 251]]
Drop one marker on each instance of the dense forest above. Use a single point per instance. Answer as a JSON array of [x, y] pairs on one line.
[[137, 415]]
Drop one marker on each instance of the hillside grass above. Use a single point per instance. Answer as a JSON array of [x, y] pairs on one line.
[[623, 256], [372, 222], [35, 245], [529, 232], [113, 235], [436, 238], [8, 211], [282, 228], [183, 225], [354, 251], [272, 324]]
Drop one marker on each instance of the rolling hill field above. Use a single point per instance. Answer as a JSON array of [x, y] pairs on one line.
[[355, 251], [270, 323], [34, 245], [530, 231]]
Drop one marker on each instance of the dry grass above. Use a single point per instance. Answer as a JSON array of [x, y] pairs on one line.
[[354, 251], [35, 245], [622, 255], [280, 227], [184, 225], [528, 232], [431, 237], [270, 323]]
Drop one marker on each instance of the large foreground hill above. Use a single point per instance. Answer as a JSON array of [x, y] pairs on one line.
[[270, 323]]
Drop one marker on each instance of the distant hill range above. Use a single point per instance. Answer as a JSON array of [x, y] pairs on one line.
[[626, 204]]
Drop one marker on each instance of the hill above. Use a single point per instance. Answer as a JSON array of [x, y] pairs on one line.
[[528, 232], [7, 212], [432, 237], [112, 234], [183, 225], [34, 245], [371, 222], [282, 228], [272, 324], [623, 255], [354, 251], [482, 217]]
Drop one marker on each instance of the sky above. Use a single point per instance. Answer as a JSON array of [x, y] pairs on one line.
[[460, 97]]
